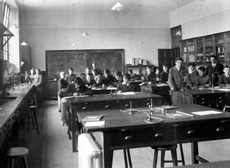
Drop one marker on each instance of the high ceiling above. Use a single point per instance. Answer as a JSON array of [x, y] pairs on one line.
[[100, 5]]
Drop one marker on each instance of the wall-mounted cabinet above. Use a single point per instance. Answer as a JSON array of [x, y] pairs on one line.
[[200, 50]]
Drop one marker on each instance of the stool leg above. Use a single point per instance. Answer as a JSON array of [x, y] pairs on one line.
[[25, 162], [129, 158], [155, 158], [125, 158], [182, 153], [174, 157], [11, 165], [162, 158], [35, 119]]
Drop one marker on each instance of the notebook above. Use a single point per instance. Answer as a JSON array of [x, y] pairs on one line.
[[92, 118]]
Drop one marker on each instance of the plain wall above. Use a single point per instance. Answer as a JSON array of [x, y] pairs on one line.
[[54, 30], [201, 18]]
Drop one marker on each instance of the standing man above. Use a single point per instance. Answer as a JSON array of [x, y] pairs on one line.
[[214, 70], [176, 75]]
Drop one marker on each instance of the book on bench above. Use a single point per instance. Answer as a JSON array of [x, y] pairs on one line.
[[91, 118]]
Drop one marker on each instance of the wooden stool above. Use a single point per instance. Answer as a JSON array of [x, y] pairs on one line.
[[31, 118], [14, 153], [163, 149]]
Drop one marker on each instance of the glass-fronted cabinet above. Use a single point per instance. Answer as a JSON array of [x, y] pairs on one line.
[[200, 49], [191, 50], [209, 50], [219, 46]]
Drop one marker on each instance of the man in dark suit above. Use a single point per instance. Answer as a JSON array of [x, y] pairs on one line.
[[214, 70], [176, 75], [224, 79]]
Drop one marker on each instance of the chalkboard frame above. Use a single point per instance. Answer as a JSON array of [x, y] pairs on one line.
[[85, 55]]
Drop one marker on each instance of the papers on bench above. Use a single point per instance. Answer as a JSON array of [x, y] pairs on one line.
[[202, 113], [93, 120], [126, 93], [95, 124]]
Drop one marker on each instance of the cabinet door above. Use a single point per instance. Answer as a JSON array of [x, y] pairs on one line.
[[52, 90], [167, 57]]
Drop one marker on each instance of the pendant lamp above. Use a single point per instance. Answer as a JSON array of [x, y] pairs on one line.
[[118, 7], [23, 31]]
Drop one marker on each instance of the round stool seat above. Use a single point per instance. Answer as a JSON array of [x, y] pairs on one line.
[[17, 152], [166, 147]]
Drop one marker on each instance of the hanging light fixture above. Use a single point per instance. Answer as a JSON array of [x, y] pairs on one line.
[[118, 7], [140, 41], [74, 27], [23, 31], [178, 33], [85, 34]]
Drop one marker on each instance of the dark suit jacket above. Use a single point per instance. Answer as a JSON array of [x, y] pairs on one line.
[[223, 80], [191, 78], [176, 78], [218, 69]]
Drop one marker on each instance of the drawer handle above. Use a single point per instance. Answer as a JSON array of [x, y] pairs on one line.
[[107, 106], [128, 138], [84, 108], [221, 129], [158, 135], [190, 132]]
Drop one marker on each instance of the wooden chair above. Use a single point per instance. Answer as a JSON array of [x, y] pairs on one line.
[[15, 153]]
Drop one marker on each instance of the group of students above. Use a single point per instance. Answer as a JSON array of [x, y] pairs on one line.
[[212, 75], [35, 77]]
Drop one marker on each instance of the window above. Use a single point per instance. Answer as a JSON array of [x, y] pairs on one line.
[[6, 15]]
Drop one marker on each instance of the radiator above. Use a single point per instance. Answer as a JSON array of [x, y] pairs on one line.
[[89, 152]]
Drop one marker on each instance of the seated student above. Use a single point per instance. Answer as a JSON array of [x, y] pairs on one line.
[[126, 86], [224, 79], [62, 85], [87, 70], [149, 77], [97, 77], [76, 89], [83, 77], [108, 79], [133, 75], [90, 82], [118, 78], [31, 76], [202, 81], [71, 76], [192, 74], [157, 73], [164, 75], [38, 83]]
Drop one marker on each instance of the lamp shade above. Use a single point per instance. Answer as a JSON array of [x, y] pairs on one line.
[[24, 43], [118, 7]]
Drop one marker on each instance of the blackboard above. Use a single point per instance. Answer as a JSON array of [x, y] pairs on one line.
[[61, 60]]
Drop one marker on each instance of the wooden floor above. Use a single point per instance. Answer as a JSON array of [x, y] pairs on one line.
[[52, 148]]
